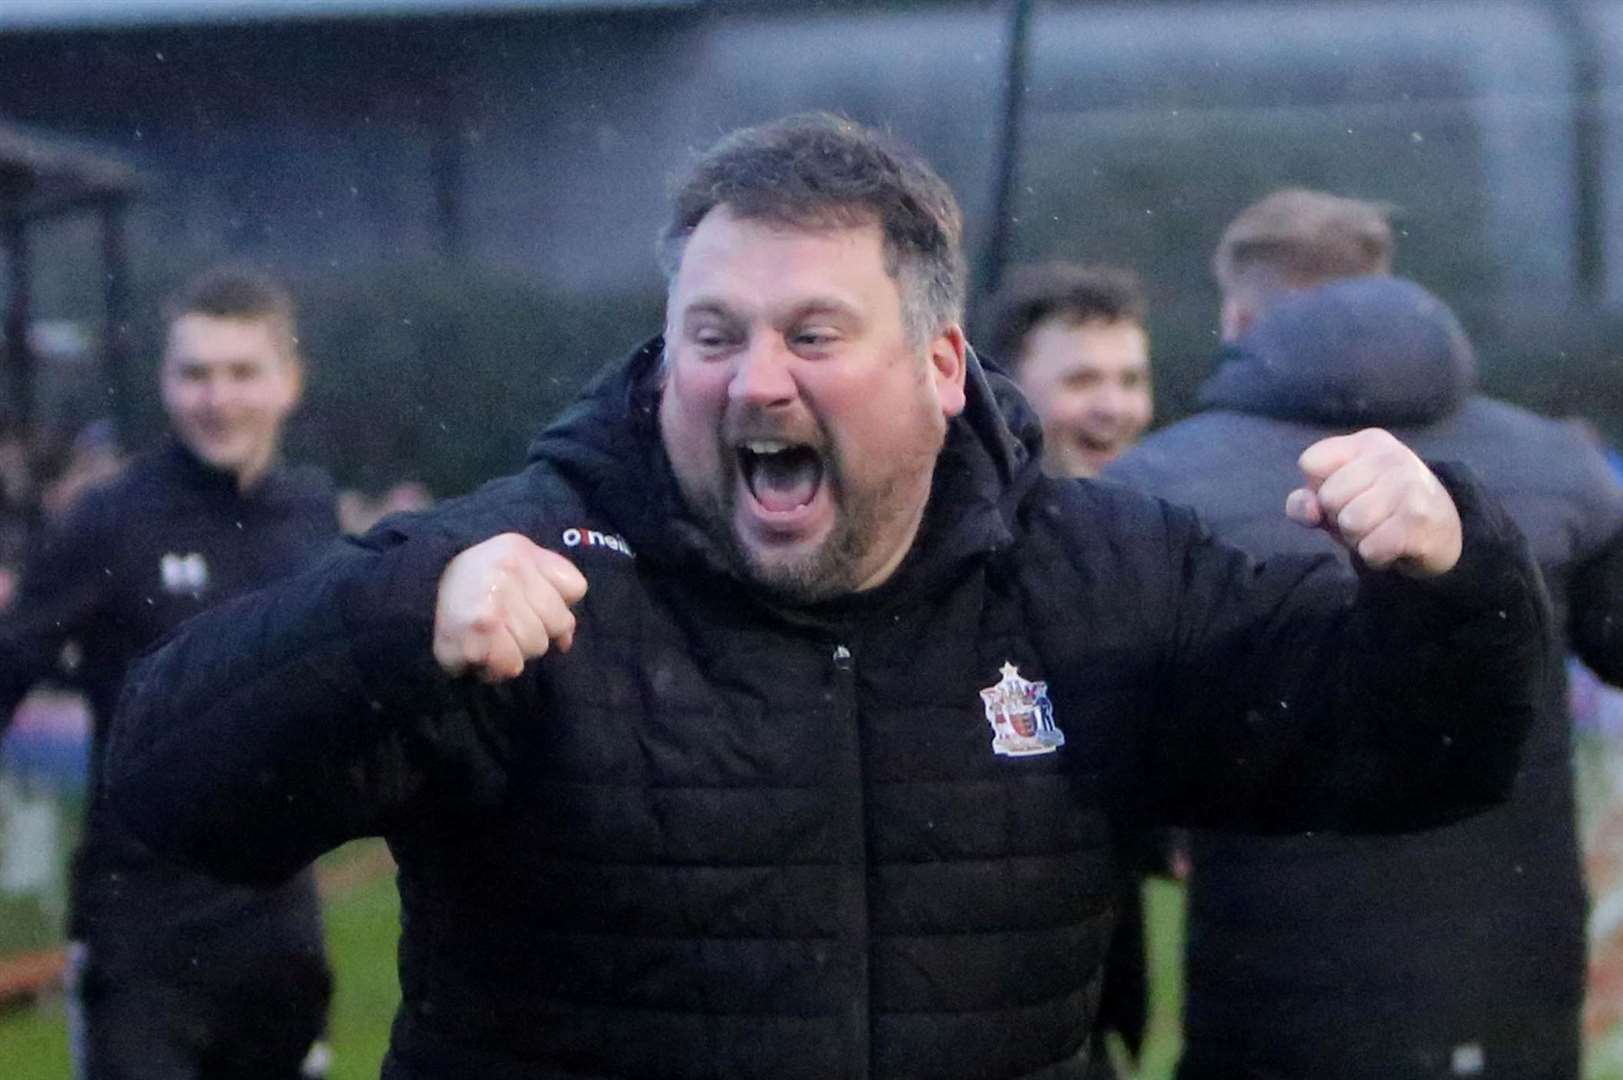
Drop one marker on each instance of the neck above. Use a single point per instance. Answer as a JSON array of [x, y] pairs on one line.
[[252, 473], [909, 534]]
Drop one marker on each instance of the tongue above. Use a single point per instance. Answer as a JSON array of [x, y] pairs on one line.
[[785, 481]]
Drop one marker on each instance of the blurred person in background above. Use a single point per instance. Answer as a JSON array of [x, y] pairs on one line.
[[93, 458], [1455, 951], [1075, 339], [358, 511], [175, 975]]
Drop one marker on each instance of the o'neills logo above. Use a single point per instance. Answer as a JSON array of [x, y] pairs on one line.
[[1021, 715], [593, 538]]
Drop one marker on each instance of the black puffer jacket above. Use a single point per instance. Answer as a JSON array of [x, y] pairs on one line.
[[724, 838], [1392, 957]]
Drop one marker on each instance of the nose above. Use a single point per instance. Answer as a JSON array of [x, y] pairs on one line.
[[762, 377], [213, 392], [1109, 402]]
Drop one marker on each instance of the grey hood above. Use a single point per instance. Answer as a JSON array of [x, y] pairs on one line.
[[1362, 351]]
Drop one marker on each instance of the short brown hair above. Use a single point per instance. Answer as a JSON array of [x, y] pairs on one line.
[[1296, 238], [1079, 294], [818, 171], [238, 292]]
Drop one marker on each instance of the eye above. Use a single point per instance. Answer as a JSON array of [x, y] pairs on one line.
[[712, 337], [815, 337]]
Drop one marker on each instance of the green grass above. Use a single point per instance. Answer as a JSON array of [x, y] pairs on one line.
[[362, 930], [362, 927], [33, 1043], [1164, 926]]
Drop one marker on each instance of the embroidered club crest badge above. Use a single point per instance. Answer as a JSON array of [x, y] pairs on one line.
[[1021, 716]]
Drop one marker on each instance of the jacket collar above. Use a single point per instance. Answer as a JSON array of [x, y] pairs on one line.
[[1369, 350], [607, 443], [199, 476]]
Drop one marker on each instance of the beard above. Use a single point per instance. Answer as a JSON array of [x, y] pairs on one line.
[[864, 515], [827, 570]]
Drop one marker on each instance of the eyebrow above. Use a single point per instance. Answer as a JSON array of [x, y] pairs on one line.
[[826, 305], [707, 306], [816, 305]]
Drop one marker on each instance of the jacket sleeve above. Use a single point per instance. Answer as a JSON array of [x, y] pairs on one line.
[[277, 726], [1296, 697], [61, 591]]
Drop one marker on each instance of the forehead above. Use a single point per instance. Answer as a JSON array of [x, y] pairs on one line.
[[199, 338], [746, 261], [1118, 345]]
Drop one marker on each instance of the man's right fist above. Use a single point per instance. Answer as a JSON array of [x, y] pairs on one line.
[[502, 602]]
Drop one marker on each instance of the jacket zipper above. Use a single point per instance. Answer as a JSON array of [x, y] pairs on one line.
[[858, 1020]]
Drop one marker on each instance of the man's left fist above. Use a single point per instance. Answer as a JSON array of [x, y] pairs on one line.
[[1378, 499]]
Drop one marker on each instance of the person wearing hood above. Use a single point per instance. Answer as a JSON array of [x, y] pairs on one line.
[[1452, 951], [819, 777]]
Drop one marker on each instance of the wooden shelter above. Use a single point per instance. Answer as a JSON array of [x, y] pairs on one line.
[[42, 178]]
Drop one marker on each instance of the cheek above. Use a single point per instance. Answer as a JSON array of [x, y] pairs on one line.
[[877, 431], [690, 414], [697, 390], [1143, 408], [271, 403], [183, 401], [1070, 406]]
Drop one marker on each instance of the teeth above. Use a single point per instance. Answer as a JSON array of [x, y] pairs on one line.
[[766, 446]]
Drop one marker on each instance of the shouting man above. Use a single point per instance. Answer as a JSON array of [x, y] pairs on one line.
[[820, 777]]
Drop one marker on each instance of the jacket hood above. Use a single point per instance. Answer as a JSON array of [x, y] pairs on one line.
[[1368, 350], [608, 444]]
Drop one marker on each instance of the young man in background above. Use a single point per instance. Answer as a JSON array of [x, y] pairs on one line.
[[174, 974]]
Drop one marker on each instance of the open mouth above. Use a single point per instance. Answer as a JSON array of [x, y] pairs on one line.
[[1097, 443], [782, 476]]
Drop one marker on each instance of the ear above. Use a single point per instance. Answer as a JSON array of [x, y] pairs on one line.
[[948, 366], [1236, 318], [293, 368]]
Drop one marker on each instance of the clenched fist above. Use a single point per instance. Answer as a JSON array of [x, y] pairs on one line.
[[501, 603], [1378, 499]]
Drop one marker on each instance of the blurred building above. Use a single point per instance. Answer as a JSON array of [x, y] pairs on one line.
[[533, 140]]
